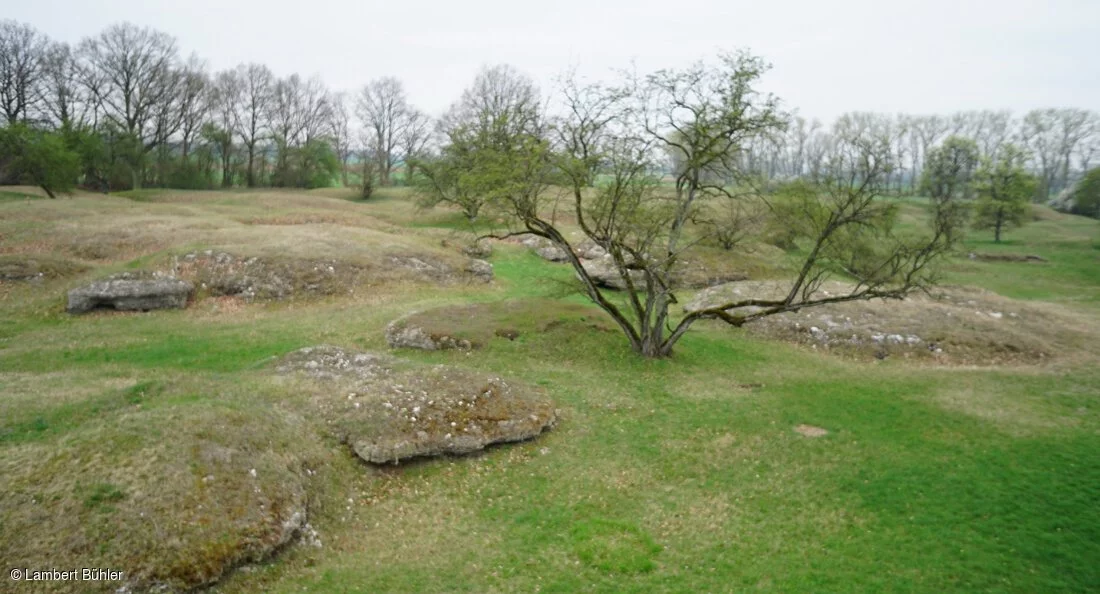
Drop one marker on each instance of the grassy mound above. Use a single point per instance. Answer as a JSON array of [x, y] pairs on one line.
[[25, 267], [219, 273], [952, 325], [388, 410], [473, 326], [171, 488]]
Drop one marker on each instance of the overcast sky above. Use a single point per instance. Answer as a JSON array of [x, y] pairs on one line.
[[916, 56]]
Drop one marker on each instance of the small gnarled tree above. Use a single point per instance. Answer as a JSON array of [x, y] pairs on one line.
[[610, 150]]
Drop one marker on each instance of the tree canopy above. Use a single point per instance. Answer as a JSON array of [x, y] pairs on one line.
[[1004, 189], [39, 158]]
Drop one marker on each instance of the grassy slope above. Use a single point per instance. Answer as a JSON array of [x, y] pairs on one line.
[[663, 476]]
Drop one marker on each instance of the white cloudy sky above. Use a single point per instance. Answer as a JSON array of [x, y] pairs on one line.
[[917, 56]]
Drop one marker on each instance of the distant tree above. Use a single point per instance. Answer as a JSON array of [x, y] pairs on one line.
[[314, 164], [414, 141], [728, 221], [22, 57], [500, 99], [340, 132], [299, 115], [285, 122], [369, 172], [89, 146], [1004, 190], [315, 111], [64, 101], [469, 171], [135, 82], [37, 157], [494, 132], [992, 130], [949, 169], [194, 97], [1086, 195], [384, 111], [256, 82], [927, 131], [1053, 136], [224, 97], [948, 178]]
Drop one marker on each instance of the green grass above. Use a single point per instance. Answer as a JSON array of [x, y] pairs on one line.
[[7, 195], [681, 475], [1067, 242], [1069, 275]]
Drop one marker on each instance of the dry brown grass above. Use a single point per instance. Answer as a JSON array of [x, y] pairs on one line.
[[109, 229], [37, 267]]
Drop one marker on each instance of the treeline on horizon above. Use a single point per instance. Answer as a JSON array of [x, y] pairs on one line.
[[124, 109]]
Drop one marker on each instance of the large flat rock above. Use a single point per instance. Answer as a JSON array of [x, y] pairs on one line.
[[131, 292], [389, 410]]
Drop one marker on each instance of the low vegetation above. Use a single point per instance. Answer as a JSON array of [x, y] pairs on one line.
[[197, 446]]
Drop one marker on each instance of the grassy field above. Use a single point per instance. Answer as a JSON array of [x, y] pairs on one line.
[[681, 475]]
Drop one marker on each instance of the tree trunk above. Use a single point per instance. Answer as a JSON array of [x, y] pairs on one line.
[[48, 191]]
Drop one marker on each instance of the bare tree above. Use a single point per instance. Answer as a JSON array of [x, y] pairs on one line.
[[134, 80], [928, 131], [136, 67], [994, 129], [1075, 126], [798, 133], [63, 99], [340, 131], [194, 102], [1090, 145], [500, 97], [384, 110], [817, 147], [1039, 135], [225, 100], [284, 118], [22, 51], [256, 82], [315, 110], [415, 137]]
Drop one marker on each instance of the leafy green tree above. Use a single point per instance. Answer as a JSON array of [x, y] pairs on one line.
[[484, 165], [312, 165], [1004, 192], [369, 163], [948, 178], [496, 151], [1086, 196], [38, 157]]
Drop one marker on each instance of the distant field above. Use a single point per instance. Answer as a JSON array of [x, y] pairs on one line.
[[682, 475]]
